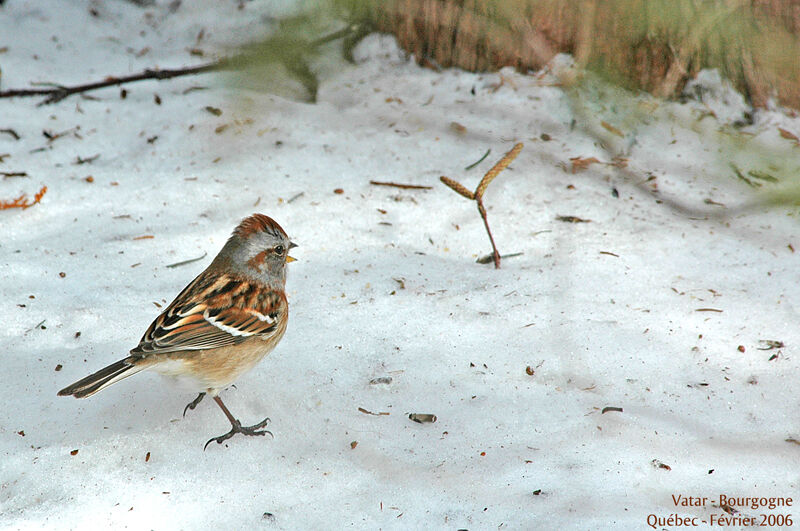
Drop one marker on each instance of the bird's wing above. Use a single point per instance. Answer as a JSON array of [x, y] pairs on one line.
[[214, 310]]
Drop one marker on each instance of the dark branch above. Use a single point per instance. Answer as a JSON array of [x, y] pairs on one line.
[[295, 64], [59, 92]]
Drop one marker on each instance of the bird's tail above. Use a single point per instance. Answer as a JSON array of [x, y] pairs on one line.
[[104, 377]]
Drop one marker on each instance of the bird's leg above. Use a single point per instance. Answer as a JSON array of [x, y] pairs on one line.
[[236, 426], [193, 404]]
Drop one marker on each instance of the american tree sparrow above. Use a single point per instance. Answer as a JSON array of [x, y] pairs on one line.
[[228, 318]]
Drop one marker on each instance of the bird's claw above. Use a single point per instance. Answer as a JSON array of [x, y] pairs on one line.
[[244, 430], [193, 404]]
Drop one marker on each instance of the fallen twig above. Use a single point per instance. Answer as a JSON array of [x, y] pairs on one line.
[[581, 163], [11, 132], [368, 412], [39, 325], [489, 258], [22, 201], [56, 93], [192, 89], [87, 160], [770, 344], [478, 161], [741, 176], [7, 174], [295, 197], [52, 137], [477, 195], [189, 261], [572, 219], [403, 186]]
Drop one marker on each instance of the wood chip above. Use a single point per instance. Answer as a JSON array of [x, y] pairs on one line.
[[788, 135], [422, 418], [572, 219], [458, 128], [611, 129], [658, 464], [368, 412], [580, 163]]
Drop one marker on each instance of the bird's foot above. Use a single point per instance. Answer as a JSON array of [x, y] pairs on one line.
[[193, 404], [236, 427]]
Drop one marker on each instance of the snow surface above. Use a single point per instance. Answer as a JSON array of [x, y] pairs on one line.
[[605, 313]]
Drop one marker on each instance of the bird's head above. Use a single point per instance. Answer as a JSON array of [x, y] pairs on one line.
[[259, 248]]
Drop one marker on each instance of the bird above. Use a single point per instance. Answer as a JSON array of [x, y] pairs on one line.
[[220, 326]]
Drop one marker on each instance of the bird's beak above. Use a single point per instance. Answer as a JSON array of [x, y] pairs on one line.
[[290, 259]]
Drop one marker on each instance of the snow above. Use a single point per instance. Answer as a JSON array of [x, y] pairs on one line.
[[605, 313]]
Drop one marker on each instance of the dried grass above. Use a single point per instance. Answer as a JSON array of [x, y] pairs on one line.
[[655, 45]]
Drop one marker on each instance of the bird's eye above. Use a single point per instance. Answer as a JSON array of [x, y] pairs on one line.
[[279, 249]]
